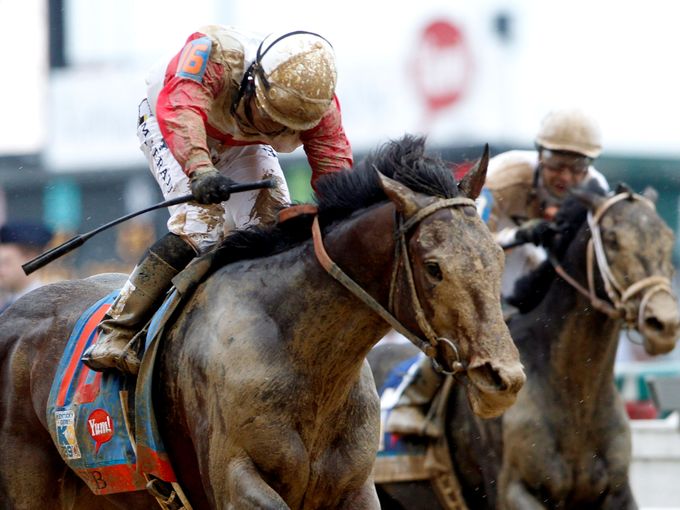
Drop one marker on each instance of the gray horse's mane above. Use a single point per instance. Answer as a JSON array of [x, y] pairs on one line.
[[341, 194], [530, 290]]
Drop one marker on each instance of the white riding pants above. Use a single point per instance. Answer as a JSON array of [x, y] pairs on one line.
[[205, 225]]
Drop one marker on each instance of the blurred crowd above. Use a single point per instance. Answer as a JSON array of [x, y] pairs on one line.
[[22, 240]]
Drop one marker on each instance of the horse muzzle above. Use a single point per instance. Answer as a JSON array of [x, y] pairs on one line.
[[493, 386], [659, 323]]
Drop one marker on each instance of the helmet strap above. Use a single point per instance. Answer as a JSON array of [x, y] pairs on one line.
[[261, 53], [246, 88]]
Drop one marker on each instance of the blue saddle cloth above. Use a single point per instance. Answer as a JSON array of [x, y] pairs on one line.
[[87, 411]]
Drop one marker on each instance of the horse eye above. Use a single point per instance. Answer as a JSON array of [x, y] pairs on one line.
[[610, 239], [433, 270]]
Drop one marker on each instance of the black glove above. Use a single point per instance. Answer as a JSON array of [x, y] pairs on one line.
[[538, 232], [208, 186]]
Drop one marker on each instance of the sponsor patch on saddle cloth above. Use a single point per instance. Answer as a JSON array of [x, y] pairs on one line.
[[399, 459], [86, 418]]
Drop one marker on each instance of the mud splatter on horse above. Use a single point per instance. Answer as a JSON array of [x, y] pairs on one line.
[[565, 444], [262, 393]]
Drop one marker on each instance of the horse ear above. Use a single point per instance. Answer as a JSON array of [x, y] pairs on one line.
[[587, 197], [471, 184], [650, 194], [622, 187], [402, 196]]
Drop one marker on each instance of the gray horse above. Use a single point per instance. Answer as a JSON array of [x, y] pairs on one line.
[[262, 391], [565, 444]]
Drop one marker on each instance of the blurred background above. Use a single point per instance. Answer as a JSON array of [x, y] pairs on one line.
[[462, 73]]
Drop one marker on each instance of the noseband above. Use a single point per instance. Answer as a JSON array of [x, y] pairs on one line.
[[429, 346], [618, 295]]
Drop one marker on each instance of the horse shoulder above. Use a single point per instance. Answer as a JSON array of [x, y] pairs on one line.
[[364, 403]]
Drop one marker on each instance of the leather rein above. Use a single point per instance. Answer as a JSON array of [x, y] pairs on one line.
[[617, 293], [430, 346]]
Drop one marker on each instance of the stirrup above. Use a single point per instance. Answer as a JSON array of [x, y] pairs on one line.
[[165, 494], [128, 363]]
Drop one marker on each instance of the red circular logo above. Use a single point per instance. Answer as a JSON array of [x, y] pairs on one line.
[[442, 65], [100, 427]]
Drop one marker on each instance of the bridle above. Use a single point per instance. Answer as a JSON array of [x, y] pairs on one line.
[[431, 346], [617, 293]]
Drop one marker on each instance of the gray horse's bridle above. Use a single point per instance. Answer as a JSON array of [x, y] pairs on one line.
[[618, 295], [429, 346]]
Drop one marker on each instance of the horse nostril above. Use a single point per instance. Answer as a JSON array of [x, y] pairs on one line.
[[654, 324], [491, 376]]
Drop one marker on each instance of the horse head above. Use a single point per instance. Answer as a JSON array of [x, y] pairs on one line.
[[632, 247], [446, 285]]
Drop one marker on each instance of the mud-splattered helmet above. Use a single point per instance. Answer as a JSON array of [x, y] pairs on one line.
[[572, 131]]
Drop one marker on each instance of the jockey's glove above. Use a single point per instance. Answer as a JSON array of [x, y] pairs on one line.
[[538, 232], [208, 186]]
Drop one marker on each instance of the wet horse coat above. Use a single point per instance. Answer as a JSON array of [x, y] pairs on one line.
[[263, 395], [566, 442]]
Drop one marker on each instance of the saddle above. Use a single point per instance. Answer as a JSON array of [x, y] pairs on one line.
[[104, 424]]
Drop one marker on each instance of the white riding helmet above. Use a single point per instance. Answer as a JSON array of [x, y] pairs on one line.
[[295, 82], [570, 130]]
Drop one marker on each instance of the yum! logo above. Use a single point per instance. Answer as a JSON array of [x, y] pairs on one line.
[[100, 427]]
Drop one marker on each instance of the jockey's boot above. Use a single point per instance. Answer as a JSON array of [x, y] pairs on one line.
[[134, 306], [408, 417]]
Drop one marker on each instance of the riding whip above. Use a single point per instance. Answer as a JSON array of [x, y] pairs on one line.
[[77, 241], [512, 244]]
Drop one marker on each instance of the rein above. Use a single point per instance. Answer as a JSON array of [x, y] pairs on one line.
[[429, 346], [618, 295]]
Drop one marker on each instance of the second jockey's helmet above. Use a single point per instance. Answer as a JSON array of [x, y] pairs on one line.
[[570, 130]]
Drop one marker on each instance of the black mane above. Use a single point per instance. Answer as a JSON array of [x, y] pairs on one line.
[[340, 194], [530, 289]]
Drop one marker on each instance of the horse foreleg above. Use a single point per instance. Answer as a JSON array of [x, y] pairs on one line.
[[365, 498], [620, 499], [32, 476], [517, 497], [247, 489]]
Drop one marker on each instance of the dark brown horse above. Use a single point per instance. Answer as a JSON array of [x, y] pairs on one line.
[[262, 391], [565, 444]]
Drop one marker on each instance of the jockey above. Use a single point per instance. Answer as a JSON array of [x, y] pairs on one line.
[[528, 187], [220, 110], [523, 191]]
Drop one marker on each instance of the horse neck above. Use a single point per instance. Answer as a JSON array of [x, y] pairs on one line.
[[320, 322], [363, 247], [337, 330], [578, 341]]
